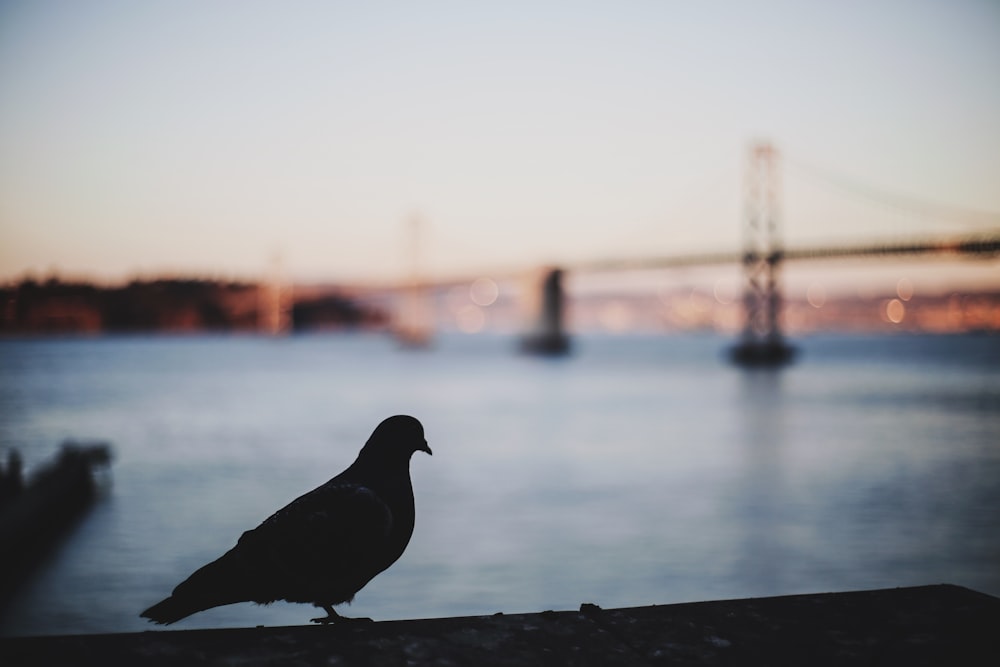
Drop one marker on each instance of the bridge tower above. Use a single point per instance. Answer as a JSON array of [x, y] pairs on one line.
[[275, 300], [762, 343], [413, 322]]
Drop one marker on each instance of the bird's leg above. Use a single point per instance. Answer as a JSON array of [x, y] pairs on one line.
[[331, 615], [334, 617]]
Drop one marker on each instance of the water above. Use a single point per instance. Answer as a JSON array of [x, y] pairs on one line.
[[640, 470]]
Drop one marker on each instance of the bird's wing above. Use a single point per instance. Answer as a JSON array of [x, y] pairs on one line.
[[330, 541], [335, 522]]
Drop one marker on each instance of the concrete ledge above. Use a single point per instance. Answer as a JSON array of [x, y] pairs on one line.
[[928, 625]]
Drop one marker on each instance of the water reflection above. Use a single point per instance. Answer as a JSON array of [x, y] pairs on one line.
[[761, 491]]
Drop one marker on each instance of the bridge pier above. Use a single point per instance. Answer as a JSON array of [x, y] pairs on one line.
[[546, 334]]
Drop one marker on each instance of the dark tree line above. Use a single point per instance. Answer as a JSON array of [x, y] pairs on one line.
[[54, 306]]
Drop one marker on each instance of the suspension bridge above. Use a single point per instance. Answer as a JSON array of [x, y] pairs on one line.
[[762, 257], [763, 254]]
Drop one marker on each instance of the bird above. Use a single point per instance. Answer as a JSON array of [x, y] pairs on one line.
[[323, 547]]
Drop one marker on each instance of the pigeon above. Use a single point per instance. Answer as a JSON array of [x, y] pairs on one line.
[[323, 547]]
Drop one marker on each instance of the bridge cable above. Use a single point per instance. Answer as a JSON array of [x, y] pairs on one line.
[[928, 210]]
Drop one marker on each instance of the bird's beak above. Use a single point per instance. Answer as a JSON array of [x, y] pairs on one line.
[[426, 448]]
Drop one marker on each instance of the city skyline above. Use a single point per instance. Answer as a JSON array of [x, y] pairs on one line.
[[143, 139]]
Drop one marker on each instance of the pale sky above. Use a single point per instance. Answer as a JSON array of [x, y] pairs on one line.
[[205, 138]]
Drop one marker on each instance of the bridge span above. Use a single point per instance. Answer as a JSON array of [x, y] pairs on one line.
[[545, 327], [762, 256], [984, 246]]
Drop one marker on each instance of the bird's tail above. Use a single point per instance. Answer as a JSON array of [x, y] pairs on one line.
[[181, 604], [171, 610], [214, 585]]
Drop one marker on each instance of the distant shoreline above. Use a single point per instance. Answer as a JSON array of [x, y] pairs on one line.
[[184, 307]]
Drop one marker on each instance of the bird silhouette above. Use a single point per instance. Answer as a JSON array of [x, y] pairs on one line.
[[323, 547]]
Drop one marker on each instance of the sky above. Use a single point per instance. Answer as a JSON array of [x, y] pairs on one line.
[[222, 139]]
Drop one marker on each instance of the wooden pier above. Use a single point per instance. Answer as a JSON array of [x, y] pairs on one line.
[[35, 513]]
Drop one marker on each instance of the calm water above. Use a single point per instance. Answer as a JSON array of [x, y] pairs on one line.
[[641, 470]]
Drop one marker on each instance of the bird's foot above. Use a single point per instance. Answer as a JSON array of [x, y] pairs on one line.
[[334, 617], [326, 620]]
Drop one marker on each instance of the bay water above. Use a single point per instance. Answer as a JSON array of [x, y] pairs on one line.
[[638, 470]]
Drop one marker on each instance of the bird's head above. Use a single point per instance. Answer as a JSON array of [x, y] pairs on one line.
[[397, 437]]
